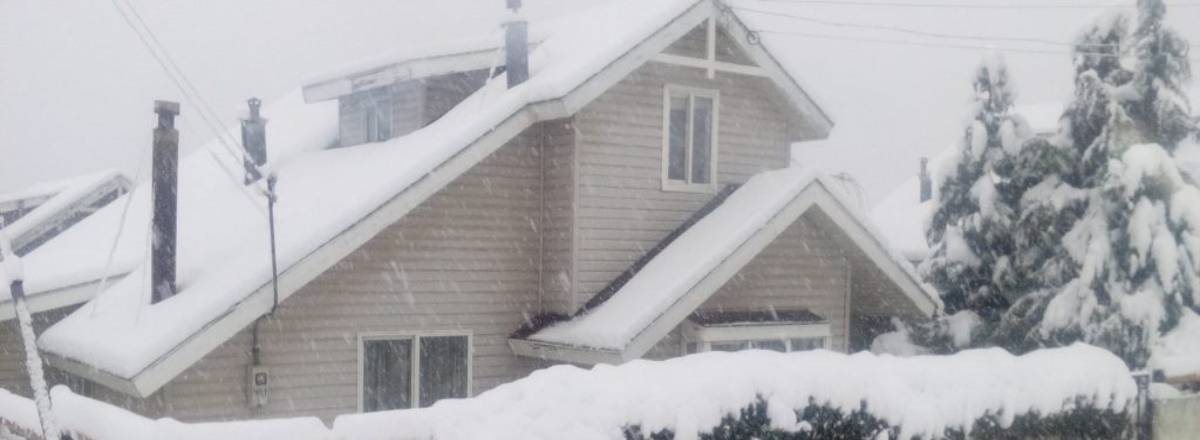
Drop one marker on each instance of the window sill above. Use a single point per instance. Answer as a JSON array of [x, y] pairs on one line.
[[676, 186]]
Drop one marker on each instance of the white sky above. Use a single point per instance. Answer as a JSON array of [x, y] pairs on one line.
[[76, 86]]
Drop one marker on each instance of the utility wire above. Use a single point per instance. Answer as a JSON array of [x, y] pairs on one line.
[[911, 31], [960, 6], [185, 86]]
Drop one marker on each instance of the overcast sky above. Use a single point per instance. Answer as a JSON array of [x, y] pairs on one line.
[[76, 86]]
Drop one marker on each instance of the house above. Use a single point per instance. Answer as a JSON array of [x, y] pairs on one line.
[[30, 217], [448, 221]]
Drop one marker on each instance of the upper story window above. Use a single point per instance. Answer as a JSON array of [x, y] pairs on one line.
[[377, 123], [690, 121], [413, 371]]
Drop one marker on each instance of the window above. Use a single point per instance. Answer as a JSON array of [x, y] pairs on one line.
[[413, 371], [377, 123], [690, 123], [776, 337]]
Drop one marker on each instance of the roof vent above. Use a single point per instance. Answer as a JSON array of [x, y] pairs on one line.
[[165, 183]]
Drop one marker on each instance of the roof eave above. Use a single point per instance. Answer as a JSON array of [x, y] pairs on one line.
[[551, 351], [54, 299], [399, 71]]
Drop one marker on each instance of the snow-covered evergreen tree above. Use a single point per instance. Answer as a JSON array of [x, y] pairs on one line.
[[970, 229], [1118, 257], [1105, 231]]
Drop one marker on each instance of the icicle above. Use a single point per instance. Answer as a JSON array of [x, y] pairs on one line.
[[14, 273]]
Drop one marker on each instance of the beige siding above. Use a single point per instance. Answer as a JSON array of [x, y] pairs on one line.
[[444, 92], [12, 349], [558, 211], [802, 269], [465, 260], [695, 44], [401, 102], [622, 209]]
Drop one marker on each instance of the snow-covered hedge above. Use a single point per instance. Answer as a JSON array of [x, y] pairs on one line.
[[711, 395], [87, 419], [928, 396]]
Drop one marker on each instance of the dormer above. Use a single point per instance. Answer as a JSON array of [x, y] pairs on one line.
[[394, 96]]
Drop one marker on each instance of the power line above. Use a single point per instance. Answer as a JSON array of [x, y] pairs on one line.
[[937, 5], [179, 78], [910, 31]]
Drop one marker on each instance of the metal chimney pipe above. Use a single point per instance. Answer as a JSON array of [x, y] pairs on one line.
[[926, 180], [516, 46], [254, 141], [165, 181]]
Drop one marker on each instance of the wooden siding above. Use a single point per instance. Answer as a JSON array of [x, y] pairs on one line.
[[695, 44], [12, 349], [465, 260], [558, 212], [804, 268], [622, 210], [403, 102], [444, 92]]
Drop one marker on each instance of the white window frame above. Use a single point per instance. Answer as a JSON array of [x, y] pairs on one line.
[[686, 185], [415, 379], [706, 336]]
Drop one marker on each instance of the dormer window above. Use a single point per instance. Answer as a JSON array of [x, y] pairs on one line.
[[690, 120], [378, 123]]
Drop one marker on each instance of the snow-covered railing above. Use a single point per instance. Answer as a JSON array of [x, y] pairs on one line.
[[922, 395]]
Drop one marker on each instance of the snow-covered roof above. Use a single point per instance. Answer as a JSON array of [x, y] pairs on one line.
[[901, 215], [330, 200], [695, 265], [52, 197]]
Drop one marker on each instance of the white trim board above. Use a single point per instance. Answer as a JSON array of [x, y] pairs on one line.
[[815, 195]]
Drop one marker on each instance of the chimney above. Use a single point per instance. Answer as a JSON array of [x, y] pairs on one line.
[[926, 180], [165, 185], [516, 46], [254, 141]]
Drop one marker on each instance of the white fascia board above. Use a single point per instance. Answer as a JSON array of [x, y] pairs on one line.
[[563, 353], [876, 251], [402, 71], [721, 274], [761, 331], [816, 117], [54, 299], [91, 373]]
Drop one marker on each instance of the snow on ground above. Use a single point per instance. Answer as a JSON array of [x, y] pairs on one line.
[[1177, 353], [99, 421], [924, 394], [223, 242]]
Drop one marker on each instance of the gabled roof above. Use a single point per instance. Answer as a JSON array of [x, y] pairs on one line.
[[56, 206], [333, 201], [695, 266]]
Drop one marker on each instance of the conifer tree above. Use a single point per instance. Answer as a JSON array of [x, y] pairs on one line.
[[969, 230]]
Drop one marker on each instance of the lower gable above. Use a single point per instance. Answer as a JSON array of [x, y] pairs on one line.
[[803, 269]]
